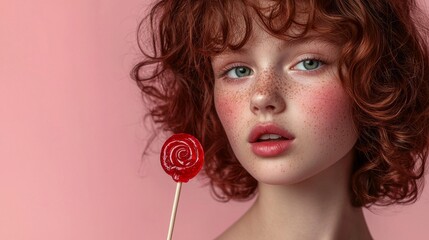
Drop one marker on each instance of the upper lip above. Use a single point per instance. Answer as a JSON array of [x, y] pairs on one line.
[[268, 128]]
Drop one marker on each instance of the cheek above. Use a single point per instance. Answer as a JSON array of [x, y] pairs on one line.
[[227, 105], [328, 113]]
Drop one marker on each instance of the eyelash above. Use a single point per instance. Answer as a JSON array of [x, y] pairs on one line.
[[317, 59], [226, 70]]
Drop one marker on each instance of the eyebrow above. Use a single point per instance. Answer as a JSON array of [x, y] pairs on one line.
[[308, 39]]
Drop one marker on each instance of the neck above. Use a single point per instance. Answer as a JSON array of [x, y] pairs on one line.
[[301, 215], [317, 208]]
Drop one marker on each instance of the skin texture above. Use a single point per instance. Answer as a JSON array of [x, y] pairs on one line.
[[309, 104], [303, 190]]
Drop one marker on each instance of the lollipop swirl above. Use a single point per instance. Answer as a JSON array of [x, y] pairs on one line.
[[182, 157]]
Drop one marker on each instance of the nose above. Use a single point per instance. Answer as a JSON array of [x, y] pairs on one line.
[[267, 98]]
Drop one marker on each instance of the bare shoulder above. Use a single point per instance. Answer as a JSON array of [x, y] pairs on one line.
[[239, 230], [233, 233]]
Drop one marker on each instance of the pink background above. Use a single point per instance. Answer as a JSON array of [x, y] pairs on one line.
[[71, 136]]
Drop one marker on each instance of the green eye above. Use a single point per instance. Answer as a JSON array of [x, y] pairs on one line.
[[309, 64], [238, 72]]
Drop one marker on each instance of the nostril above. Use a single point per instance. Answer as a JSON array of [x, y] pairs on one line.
[[255, 109], [270, 108]]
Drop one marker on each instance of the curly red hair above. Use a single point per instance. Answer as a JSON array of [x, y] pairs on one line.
[[384, 67]]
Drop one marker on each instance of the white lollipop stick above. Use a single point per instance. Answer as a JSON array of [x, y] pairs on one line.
[[174, 210]]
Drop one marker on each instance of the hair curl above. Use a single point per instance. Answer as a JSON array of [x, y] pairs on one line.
[[383, 66]]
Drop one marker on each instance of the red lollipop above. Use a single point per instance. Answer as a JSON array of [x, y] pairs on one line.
[[182, 157]]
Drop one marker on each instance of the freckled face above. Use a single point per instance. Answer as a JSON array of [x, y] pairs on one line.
[[290, 90]]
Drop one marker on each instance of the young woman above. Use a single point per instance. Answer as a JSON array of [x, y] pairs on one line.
[[318, 108]]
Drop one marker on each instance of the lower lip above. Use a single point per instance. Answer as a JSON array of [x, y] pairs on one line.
[[270, 148]]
